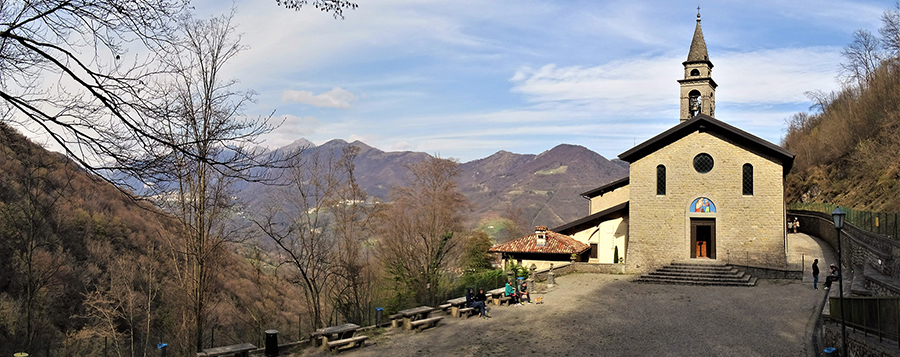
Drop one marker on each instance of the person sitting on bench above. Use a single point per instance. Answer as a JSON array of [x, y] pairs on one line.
[[523, 293], [511, 293], [835, 275], [478, 303]]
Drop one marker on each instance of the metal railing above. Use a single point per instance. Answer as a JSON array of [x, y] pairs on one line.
[[872, 315], [883, 223]]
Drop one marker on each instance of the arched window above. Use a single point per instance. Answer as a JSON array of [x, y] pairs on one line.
[[748, 180], [660, 180], [695, 72], [694, 102]]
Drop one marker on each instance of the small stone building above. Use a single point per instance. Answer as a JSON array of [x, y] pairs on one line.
[[542, 248], [701, 190]]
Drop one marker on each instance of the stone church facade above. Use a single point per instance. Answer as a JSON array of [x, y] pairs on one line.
[[701, 190]]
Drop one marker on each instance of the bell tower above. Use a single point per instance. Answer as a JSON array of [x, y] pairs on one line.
[[698, 89]]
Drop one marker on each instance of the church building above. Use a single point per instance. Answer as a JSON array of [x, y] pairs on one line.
[[702, 189]]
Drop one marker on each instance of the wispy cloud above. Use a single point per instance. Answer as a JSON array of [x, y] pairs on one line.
[[623, 87], [335, 98], [776, 76]]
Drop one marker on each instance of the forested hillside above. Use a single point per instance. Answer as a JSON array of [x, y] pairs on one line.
[[83, 265], [847, 152]]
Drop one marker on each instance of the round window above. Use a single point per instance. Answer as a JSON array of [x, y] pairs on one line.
[[703, 163]]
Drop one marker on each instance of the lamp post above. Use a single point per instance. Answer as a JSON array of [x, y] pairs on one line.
[[838, 216]]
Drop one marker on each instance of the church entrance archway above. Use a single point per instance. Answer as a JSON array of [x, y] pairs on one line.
[[703, 238]]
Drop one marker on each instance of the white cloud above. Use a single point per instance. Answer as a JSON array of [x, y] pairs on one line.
[[401, 145], [773, 76], [776, 76], [619, 86], [291, 129], [335, 98]]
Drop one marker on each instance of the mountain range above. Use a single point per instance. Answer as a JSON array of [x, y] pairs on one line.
[[546, 188]]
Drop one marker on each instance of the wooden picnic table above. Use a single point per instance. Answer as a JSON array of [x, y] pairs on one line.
[[340, 332]]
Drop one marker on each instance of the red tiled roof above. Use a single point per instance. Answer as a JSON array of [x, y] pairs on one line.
[[556, 244]]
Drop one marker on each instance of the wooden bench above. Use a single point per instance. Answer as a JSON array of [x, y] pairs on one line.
[[396, 320], [466, 312], [241, 350], [445, 307], [429, 322], [357, 341]]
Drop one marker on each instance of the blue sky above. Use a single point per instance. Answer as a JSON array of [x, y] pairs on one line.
[[465, 79]]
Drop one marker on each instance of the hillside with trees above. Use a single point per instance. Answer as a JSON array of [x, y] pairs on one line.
[[847, 149], [83, 265]]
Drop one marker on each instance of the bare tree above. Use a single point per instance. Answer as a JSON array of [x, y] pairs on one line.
[[861, 58], [418, 229], [335, 7], [515, 225], [353, 291], [890, 31], [302, 222], [28, 224], [66, 73], [203, 114]]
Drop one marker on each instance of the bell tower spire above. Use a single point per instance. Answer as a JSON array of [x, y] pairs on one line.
[[697, 88]]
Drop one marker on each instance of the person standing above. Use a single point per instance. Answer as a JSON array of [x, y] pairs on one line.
[[796, 224], [815, 268]]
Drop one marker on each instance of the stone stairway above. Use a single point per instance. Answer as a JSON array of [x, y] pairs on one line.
[[698, 273]]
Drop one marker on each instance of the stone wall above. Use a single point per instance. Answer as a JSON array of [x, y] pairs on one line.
[[858, 344], [860, 249], [880, 288], [770, 273], [569, 268], [751, 226], [608, 200]]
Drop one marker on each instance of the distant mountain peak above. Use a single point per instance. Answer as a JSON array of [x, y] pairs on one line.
[[362, 146], [301, 143], [335, 142]]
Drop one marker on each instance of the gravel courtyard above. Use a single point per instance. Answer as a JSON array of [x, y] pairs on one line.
[[608, 315]]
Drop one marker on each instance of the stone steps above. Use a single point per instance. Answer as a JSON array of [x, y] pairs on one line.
[[698, 273]]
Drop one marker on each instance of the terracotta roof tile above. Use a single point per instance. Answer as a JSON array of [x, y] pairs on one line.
[[556, 244]]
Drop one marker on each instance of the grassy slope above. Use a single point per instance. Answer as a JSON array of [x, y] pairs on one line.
[[849, 154]]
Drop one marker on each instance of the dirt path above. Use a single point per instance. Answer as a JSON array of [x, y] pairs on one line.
[[608, 315]]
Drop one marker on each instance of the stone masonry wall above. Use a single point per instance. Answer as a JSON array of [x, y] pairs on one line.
[[858, 344], [746, 226], [609, 199]]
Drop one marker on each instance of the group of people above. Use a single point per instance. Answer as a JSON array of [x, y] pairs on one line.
[[517, 295], [477, 301], [834, 273]]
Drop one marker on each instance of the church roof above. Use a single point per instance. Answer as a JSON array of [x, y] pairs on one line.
[[698, 47], [556, 244], [593, 220], [612, 186], [706, 123]]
